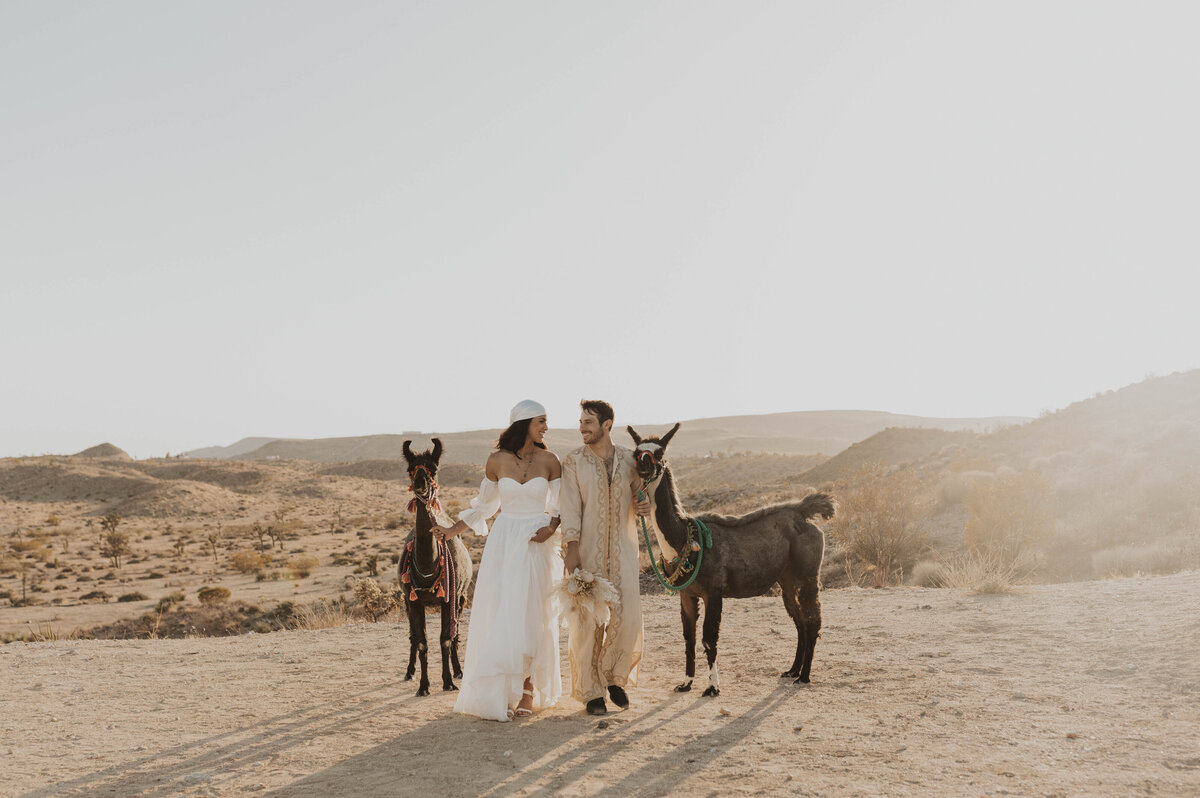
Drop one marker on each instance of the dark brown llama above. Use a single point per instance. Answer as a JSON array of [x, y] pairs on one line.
[[432, 574], [749, 554]]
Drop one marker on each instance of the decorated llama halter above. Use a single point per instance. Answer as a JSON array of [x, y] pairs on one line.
[[654, 461], [699, 537], [430, 499]]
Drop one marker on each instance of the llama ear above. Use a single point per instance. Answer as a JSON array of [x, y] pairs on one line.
[[667, 438], [437, 449], [637, 439], [408, 455]]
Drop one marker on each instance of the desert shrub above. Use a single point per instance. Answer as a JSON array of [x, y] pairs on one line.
[[322, 615], [268, 576], [926, 573], [156, 575], [393, 522], [96, 595], [302, 565], [1009, 515], [876, 523], [20, 546], [983, 572], [374, 601], [53, 520], [247, 562], [170, 600], [135, 596], [212, 596]]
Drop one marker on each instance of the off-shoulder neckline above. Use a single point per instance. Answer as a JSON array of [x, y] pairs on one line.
[[531, 479]]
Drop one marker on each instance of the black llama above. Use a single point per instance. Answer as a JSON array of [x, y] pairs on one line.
[[749, 554], [432, 574]]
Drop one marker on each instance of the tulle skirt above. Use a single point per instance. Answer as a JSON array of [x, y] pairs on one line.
[[514, 627]]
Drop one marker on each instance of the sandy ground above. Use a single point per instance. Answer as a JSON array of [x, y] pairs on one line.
[[1075, 689]]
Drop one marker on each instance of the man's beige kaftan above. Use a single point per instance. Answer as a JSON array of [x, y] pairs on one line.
[[596, 508]]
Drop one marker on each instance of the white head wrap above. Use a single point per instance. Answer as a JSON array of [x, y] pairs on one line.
[[525, 409]]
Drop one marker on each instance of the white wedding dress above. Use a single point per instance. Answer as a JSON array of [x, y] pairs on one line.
[[513, 632]]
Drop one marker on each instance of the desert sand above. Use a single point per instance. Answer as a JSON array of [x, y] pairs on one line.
[[1087, 688]]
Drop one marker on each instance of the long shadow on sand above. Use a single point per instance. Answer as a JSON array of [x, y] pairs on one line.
[[207, 759], [564, 751]]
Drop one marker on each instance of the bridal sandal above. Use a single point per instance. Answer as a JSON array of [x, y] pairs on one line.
[[522, 712]]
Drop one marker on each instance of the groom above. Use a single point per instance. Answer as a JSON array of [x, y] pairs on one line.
[[598, 508]]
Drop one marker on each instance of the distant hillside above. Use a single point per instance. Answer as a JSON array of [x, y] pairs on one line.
[[244, 446], [799, 433], [1121, 471], [105, 450]]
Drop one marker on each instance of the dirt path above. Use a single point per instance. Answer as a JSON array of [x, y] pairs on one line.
[[1087, 688]]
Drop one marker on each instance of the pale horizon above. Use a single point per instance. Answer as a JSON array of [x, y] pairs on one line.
[[222, 221]]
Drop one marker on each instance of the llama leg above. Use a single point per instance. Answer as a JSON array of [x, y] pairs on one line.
[[412, 641], [792, 603], [689, 608], [447, 643], [712, 627], [810, 613], [454, 644], [417, 620]]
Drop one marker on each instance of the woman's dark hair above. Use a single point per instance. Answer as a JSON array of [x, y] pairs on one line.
[[514, 437]]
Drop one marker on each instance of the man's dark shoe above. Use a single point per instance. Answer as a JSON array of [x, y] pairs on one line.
[[596, 707], [617, 694]]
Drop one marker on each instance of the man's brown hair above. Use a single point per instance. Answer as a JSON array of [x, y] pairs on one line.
[[602, 410]]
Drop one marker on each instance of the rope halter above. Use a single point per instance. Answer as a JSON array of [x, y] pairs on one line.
[[430, 497]]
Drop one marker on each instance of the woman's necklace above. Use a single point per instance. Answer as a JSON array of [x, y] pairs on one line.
[[525, 463]]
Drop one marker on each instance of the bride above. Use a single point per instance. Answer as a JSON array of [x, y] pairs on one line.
[[512, 642]]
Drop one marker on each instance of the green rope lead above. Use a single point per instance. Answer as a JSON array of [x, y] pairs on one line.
[[705, 543]]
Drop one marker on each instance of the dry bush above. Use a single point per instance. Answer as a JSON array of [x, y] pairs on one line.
[[170, 600], [1009, 515], [247, 562], [982, 572], [302, 565], [134, 596], [322, 615], [876, 523], [212, 596], [374, 601]]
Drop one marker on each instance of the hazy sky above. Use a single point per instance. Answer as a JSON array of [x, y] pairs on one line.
[[300, 219]]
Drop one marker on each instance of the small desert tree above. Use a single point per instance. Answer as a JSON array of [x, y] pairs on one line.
[[114, 544], [260, 532], [213, 538], [876, 521]]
